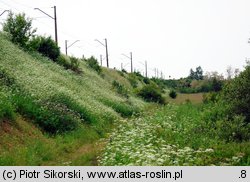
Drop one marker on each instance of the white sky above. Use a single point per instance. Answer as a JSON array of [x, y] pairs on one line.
[[172, 35]]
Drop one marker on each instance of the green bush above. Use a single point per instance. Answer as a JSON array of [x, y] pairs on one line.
[[5, 78], [64, 104], [71, 63], [120, 89], [93, 63], [133, 80], [172, 94], [146, 80], [151, 93], [74, 64], [122, 108], [46, 46], [48, 119], [19, 29], [7, 110], [236, 95], [234, 129]]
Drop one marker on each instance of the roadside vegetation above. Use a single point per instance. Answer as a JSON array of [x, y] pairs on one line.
[[61, 110]]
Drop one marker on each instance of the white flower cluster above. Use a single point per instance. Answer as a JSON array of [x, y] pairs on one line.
[[138, 142]]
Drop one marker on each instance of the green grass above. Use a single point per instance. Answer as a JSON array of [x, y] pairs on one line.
[[172, 135], [64, 108]]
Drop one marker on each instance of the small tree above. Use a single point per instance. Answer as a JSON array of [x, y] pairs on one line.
[[46, 46], [20, 29]]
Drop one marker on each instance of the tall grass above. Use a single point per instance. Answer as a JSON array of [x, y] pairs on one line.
[[172, 135]]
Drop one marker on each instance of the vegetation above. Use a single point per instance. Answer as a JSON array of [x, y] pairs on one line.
[[172, 94], [46, 46], [49, 115], [120, 89], [172, 135], [151, 93], [93, 63], [19, 28]]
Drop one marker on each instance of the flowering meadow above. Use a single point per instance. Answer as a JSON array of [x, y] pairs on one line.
[[168, 136]]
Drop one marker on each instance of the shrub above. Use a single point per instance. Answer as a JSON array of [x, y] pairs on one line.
[[48, 119], [71, 63], [93, 63], [74, 64], [66, 104], [7, 110], [236, 95], [19, 29], [234, 129], [46, 46], [5, 78], [120, 89], [133, 80], [146, 80], [151, 93], [172, 94], [121, 107]]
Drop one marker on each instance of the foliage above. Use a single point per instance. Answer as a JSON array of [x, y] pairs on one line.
[[196, 75], [7, 110], [171, 135], [20, 28], [146, 80], [124, 71], [172, 94], [93, 63], [50, 120], [151, 93], [71, 63], [236, 95], [46, 46], [120, 89], [132, 78], [123, 108]]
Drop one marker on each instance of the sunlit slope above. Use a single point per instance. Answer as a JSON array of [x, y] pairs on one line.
[[44, 80]]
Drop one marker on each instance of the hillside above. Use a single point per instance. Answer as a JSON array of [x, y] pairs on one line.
[[51, 115], [49, 102]]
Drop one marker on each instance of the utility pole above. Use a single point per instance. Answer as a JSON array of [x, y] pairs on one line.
[[4, 12], [67, 47], [107, 57], [101, 59], [54, 18], [131, 60], [106, 47], [146, 69], [121, 66]]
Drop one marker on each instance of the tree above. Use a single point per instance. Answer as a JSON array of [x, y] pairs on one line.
[[46, 46], [199, 73], [196, 75], [236, 95], [20, 29]]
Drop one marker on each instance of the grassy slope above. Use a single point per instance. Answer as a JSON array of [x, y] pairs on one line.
[[43, 80]]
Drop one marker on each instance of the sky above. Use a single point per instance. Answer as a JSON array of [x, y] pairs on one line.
[[173, 36]]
